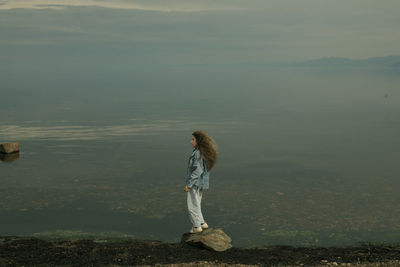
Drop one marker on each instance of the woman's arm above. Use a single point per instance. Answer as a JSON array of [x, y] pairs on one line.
[[196, 170]]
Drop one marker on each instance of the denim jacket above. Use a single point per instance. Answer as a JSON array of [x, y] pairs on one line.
[[197, 174]]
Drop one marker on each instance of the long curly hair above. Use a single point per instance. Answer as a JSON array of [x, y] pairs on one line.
[[207, 147]]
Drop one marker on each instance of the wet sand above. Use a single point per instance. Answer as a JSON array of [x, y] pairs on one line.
[[28, 251]]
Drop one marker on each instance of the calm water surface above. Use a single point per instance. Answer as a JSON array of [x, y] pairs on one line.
[[306, 158]]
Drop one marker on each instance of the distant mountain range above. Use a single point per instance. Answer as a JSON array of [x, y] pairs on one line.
[[388, 62]]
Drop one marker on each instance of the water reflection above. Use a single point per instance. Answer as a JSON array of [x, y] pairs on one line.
[[66, 132], [9, 157]]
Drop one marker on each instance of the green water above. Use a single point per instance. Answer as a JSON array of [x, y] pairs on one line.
[[305, 158]]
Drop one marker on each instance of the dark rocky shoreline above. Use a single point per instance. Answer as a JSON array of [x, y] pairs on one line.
[[28, 251]]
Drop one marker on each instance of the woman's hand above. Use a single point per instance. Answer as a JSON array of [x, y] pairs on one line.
[[187, 189]]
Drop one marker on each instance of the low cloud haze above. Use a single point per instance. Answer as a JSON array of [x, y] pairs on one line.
[[161, 6], [193, 32], [153, 57]]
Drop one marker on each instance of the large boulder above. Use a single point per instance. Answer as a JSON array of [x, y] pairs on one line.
[[8, 148], [211, 238]]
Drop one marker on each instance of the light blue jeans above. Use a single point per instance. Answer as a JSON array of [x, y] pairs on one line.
[[194, 206]]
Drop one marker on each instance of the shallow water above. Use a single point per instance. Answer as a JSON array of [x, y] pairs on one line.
[[306, 157]]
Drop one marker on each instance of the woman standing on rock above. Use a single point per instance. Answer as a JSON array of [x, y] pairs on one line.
[[200, 163]]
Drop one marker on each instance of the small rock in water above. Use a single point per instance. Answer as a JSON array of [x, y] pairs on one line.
[[8, 148], [211, 238]]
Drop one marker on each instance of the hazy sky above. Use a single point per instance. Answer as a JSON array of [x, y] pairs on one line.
[[196, 32]]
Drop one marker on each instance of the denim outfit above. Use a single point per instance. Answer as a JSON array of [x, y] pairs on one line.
[[197, 179]]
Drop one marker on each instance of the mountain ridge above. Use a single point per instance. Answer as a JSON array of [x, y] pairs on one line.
[[392, 62]]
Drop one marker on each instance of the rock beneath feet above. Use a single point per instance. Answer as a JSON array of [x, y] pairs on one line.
[[211, 238], [8, 148]]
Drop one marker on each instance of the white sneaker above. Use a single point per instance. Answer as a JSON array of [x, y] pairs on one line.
[[196, 230], [204, 225]]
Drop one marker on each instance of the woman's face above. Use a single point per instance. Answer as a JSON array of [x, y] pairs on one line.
[[193, 142]]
